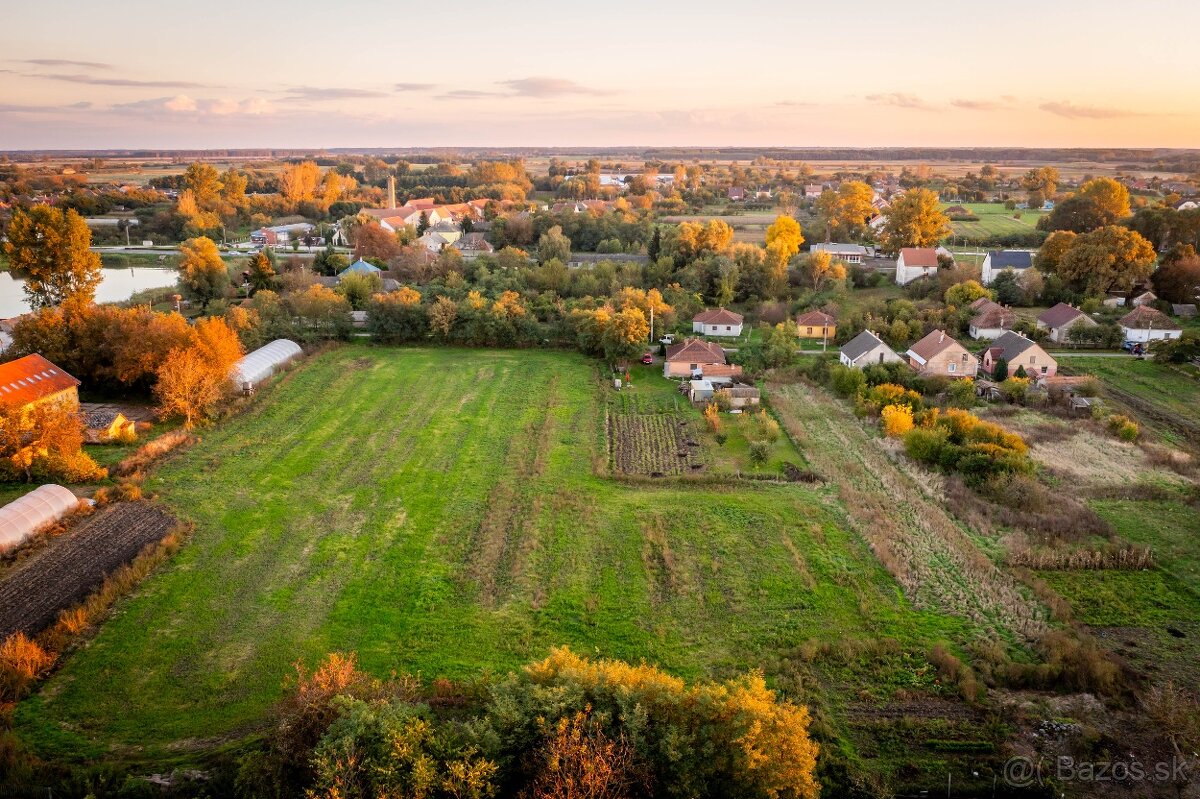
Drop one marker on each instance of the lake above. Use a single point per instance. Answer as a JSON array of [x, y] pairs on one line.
[[117, 285]]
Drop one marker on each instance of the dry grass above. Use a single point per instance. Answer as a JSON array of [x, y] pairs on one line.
[[150, 452]]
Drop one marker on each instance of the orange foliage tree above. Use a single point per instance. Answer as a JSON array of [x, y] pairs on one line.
[[194, 379], [44, 440]]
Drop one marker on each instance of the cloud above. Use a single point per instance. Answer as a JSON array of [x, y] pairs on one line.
[[795, 104], [66, 62], [1066, 108], [900, 100], [469, 94], [414, 87], [332, 93], [17, 108], [548, 87], [185, 105], [982, 105], [145, 84]]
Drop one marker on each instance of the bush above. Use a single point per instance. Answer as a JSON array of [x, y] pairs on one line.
[[897, 420], [22, 662], [961, 393], [760, 452], [1123, 427], [846, 381]]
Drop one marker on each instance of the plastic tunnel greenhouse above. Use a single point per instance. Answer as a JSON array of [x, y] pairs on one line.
[[262, 363], [24, 516]]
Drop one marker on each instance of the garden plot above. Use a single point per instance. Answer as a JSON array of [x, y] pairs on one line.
[[656, 445]]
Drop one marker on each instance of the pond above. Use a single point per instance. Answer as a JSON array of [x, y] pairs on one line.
[[117, 285]]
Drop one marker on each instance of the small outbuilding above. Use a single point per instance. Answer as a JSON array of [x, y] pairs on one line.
[[742, 395], [107, 424], [700, 390], [25, 515], [257, 366]]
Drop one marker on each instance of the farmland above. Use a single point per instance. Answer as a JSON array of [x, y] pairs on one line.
[[994, 220], [443, 512], [1166, 396]]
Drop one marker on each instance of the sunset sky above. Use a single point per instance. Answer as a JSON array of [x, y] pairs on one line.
[[654, 72]]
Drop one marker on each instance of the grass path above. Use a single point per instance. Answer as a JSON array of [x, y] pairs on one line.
[[439, 511]]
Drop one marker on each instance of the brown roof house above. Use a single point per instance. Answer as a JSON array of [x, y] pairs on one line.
[[1019, 352], [1059, 320], [939, 354], [695, 358], [815, 324], [718, 322], [915, 262], [33, 380], [992, 321], [1145, 324]]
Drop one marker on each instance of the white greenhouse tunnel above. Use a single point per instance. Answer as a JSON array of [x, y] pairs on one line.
[[26, 515], [257, 366]]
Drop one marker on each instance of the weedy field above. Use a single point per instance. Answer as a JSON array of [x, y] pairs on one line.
[[1164, 396], [447, 512]]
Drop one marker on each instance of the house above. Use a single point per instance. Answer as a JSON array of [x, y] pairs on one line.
[[877, 222], [866, 349], [992, 321], [736, 194], [437, 240], [1185, 310], [1145, 324], [939, 354], [1019, 352], [700, 390], [1145, 298], [473, 245], [849, 253], [280, 234], [33, 380], [1060, 319], [813, 190], [694, 358], [718, 322], [741, 395], [1187, 205], [360, 267], [915, 262], [816, 324], [107, 424], [998, 261]]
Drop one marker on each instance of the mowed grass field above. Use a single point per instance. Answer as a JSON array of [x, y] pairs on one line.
[[448, 512]]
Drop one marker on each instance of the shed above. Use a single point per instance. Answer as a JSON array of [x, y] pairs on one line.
[[25, 515], [700, 390], [741, 395], [257, 366]]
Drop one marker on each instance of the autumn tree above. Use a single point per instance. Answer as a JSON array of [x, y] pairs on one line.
[[442, 316], [691, 240], [914, 220], [194, 379], [1109, 196], [202, 270], [819, 268], [51, 248], [1178, 281], [1112, 258], [844, 212], [626, 334], [1053, 249], [963, 294], [44, 441], [1043, 180], [579, 761], [554, 245], [260, 272], [298, 182], [373, 241]]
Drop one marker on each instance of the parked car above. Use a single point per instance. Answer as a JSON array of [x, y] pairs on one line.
[[648, 358], [667, 339]]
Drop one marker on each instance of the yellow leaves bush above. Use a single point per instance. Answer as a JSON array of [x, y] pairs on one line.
[[897, 420]]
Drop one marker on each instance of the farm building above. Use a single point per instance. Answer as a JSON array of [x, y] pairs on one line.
[[915, 262], [992, 321], [280, 234], [717, 322], [940, 354], [26, 515], [741, 396], [472, 245], [815, 324], [736, 194], [695, 358], [33, 380], [866, 349], [998, 261], [849, 253], [257, 366], [1184, 310], [1019, 352], [1145, 298], [107, 424], [1145, 324], [1059, 320]]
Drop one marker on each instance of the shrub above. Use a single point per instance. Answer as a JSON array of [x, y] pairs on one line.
[[846, 381], [1123, 427], [22, 662], [1015, 388], [897, 420], [760, 452], [961, 393]]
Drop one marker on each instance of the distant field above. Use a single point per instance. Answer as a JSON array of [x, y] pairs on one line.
[[448, 511], [994, 220]]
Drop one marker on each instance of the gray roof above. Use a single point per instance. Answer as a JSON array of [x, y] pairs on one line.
[[1011, 259], [833, 248], [860, 345], [1011, 345]]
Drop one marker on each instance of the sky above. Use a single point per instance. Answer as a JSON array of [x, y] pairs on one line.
[[303, 74]]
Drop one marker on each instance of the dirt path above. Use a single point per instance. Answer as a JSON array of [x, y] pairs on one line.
[[931, 557]]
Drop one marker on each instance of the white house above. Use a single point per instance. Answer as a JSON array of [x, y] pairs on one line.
[[866, 349], [915, 262], [848, 253], [998, 261], [1145, 324], [718, 322]]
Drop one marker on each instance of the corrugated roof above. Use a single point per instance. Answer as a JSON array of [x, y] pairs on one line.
[[32, 378]]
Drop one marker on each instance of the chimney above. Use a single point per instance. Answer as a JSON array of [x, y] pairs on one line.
[[391, 189], [941, 336]]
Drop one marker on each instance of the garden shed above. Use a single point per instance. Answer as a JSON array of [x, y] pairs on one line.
[[257, 366], [26, 515]]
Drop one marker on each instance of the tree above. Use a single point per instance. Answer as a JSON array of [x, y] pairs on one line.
[[914, 220], [626, 334], [963, 294], [1078, 214], [1178, 281], [202, 270], [298, 182], [784, 238], [1053, 249], [1000, 370], [51, 248], [1007, 288], [194, 379], [819, 268], [261, 272], [1112, 258], [44, 441], [442, 316], [554, 245], [1043, 180], [359, 288], [372, 241], [845, 211], [1110, 197], [422, 223]]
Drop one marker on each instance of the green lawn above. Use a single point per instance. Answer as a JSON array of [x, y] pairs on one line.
[[445, 512], [994, 220]]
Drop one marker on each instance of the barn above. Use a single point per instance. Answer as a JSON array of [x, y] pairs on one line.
[[25, 515]]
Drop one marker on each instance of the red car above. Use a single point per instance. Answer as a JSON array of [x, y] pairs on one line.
[[648, 358]]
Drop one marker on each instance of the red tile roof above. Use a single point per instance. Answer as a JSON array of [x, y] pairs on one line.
[[1059, 315], [32, 378], [815, 319], [993, 318], [1144, 317], [696, 351], [934, 344], [919, 256], [719, 316]]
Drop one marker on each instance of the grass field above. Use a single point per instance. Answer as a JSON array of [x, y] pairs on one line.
[[443, 512], [1165, 396], [994, 220]]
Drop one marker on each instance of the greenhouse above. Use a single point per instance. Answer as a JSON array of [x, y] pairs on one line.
[[264, 361], [26, 515]]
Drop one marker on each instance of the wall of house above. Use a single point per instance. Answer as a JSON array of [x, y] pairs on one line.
[[907, 274], [1143, 335], [717, 330], [817, 331], [963, 363]]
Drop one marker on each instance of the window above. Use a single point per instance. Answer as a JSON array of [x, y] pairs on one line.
[[1045, 369], [953, 367], [809, 331], [1033, 359], [727, 327]]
